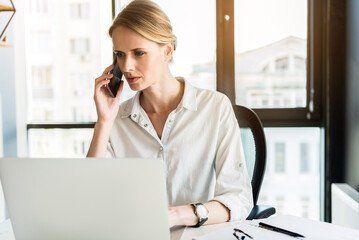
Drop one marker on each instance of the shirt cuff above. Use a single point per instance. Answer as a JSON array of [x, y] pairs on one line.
[[239, 209]]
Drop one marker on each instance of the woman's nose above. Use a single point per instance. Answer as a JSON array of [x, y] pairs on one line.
[[128, 65]]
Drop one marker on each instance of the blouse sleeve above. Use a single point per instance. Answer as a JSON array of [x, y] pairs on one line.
[[233, 187], [109, 151]]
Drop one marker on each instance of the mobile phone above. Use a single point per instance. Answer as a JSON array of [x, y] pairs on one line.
[[115, 81]]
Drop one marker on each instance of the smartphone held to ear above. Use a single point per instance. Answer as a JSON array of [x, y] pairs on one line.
[[115, 81]]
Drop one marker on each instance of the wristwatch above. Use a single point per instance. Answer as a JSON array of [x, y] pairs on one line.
[[201, 212]]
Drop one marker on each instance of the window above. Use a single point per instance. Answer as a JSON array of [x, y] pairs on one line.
[[80, 10], [41, 76], [279, 158], [58, 143], [304, 157], [293, 184], [64, 56], [299, 64], [270, 59], [80, 46], [282, 64], [268, 36], [305, 207], [39, 6]]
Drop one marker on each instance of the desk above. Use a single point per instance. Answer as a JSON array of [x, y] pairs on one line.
[[180, 233], [188, 233], [6, 232], [314, 230]]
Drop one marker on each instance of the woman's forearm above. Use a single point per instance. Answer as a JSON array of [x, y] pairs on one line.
[[184, 215], [99, 141]]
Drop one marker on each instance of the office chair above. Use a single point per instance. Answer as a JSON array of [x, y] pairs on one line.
[[248, 119]]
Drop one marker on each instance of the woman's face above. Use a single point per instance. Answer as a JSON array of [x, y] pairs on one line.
[[141, 61]]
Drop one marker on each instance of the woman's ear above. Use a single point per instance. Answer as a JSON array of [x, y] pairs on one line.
[[169, 48]]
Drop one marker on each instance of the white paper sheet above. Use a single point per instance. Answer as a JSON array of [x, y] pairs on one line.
[[312, 230], [256, 232]]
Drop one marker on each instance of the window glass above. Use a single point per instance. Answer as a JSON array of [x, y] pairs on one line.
[[79, 10], [195, 29], [270, 53], [304, 157], [67, 48], [289, 190], [279, 157], [59, 143]]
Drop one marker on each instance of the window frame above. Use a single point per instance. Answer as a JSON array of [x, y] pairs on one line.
[[309, 116]]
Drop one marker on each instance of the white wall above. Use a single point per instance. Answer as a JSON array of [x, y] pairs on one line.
[[2, 203], [20, 79], [1, 136]]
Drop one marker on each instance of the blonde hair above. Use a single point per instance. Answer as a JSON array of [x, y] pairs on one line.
[[147, 19]]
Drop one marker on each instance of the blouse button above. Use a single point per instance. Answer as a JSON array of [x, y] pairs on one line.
[[240, 165], [170, 121], [145, 125], [134, 115], [161, 148]]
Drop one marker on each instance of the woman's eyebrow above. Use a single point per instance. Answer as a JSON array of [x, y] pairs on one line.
[[133, 50], [137, 49]]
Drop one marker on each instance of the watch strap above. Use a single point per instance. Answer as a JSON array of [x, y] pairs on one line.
[[201, 220]]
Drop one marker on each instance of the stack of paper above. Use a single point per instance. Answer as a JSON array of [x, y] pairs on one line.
[[310, 229]]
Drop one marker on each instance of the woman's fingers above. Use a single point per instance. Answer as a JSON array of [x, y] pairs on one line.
[[108, 69], [100, 84], [101, 81], [119, 91], [103, 77]]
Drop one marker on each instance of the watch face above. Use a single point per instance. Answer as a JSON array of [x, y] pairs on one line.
[[202, 211]]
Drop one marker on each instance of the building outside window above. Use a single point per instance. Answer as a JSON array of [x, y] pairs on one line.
[[39, 6], [63, 58], [305, 207], [279, 158], [282, 64], [80, 46], [304, 157], [80, 10]]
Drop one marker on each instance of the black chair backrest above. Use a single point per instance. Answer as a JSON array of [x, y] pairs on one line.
[[247, 118]]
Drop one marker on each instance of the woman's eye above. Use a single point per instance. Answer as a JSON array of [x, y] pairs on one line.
[[139, 53], [120, 54]]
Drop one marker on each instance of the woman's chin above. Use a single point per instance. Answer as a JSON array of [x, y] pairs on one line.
[[135, 87]]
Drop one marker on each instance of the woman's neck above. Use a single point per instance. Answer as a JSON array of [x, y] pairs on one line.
[[162, 97]]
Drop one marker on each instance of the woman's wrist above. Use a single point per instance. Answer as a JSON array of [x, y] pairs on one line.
[[99, 139], [185, 216], [105, 124]]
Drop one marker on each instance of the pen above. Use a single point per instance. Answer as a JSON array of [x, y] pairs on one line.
[[280, 230]]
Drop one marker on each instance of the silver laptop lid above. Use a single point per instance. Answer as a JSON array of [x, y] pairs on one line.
[[85, 198]]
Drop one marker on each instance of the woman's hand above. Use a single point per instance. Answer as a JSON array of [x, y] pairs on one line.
[[172, 217], [181, 216], [106, 106]]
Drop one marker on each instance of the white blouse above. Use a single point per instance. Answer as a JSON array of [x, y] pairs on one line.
[[200, 146]]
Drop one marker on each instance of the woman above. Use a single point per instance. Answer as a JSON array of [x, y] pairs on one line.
[[193, 130]]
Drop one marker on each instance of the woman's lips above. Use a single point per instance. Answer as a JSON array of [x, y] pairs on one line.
[[132, 79]]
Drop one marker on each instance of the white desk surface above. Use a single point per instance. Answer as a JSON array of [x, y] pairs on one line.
[[181, 233], [314, 230], [188, 233]]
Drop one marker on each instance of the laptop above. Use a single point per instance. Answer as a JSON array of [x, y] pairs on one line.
[[88, 198]]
